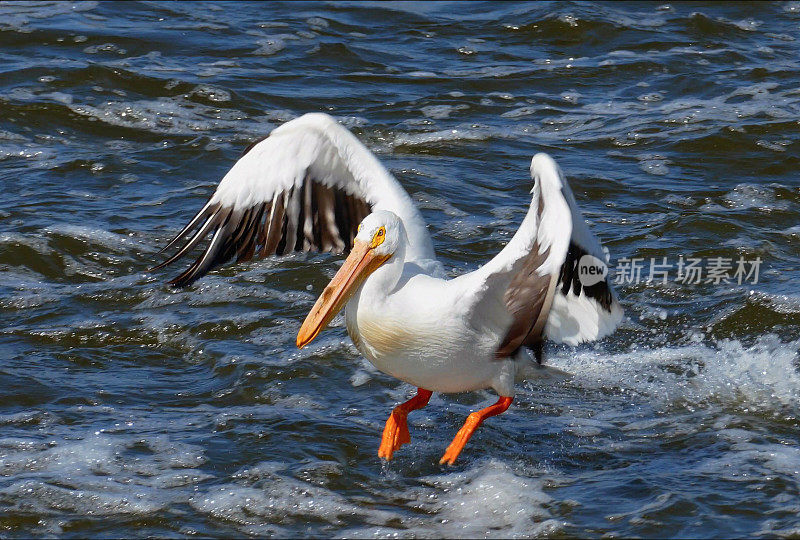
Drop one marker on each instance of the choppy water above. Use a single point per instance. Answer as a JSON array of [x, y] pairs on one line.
[[127, 408]]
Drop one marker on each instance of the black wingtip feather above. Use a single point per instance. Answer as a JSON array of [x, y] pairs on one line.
[[204, 212], [289, 222]]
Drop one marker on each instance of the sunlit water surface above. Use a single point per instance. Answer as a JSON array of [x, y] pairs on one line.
[[127, 408]]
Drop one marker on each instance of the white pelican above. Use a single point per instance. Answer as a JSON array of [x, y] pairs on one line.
[[312, 186]]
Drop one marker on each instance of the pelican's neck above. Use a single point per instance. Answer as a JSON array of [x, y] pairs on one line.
[[383, 281]]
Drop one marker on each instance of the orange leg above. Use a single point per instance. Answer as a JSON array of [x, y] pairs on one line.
[[473, 421], [395, 434]]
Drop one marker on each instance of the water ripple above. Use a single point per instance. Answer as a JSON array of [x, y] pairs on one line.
[[128, 408]]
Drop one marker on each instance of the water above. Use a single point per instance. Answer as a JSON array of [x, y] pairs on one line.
[[127, 408]]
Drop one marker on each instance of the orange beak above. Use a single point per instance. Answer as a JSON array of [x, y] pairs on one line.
[[361, 262]]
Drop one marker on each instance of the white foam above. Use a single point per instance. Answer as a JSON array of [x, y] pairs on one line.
[[631, 122], [269, 46], [446, 135], [317, 23], [487, 501], [755, 462], [97, 475], [169, 115], [746, 196], [262, 499], [680, 200], [490, 500], [35, 242], [49, 499], [776, 146], [781, 303], [762, 376], [462, 228], [426, 200], [360, 377], [441, 111], [211, 93], [105, 48], [422, 74]]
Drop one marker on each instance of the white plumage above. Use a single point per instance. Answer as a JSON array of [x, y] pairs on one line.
[[308, 186], [316, 145]]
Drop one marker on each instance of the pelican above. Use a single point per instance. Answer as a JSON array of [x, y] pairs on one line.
[[311, 185]]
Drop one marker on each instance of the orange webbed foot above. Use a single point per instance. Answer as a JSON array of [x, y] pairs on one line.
[[395, 433], [473, 421], [460, 440]]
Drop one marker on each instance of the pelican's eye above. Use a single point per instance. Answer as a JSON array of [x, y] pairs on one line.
[[379, 237]]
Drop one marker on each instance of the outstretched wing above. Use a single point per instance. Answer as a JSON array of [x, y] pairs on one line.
[[534, 284], [306, 187]]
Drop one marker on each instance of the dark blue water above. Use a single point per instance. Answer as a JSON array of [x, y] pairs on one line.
[[130, 409]]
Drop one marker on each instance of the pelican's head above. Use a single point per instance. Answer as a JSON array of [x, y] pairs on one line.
[[379, 237], [383, 231]]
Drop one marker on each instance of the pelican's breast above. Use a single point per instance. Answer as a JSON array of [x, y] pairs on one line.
[[382, 337]]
